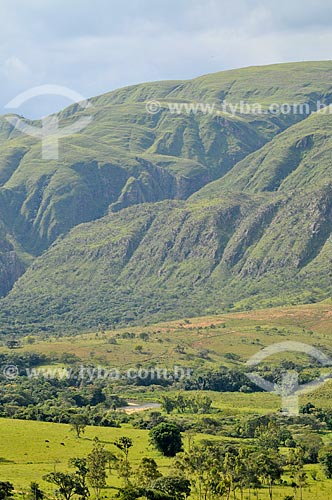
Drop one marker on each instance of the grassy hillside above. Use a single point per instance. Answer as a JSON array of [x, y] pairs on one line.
[[30, 450], [297, 159], [159, 261], [25, 458], [266, 84], [259, 235], [127, 156], [241, 333]]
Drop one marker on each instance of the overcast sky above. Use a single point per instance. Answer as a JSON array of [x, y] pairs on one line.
[[93, 46]]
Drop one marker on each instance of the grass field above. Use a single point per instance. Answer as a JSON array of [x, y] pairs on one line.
[[26, 456]]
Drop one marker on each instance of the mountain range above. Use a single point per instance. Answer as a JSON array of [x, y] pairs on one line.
[[148, 216]]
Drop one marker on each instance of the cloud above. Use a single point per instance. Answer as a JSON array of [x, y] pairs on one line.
[[93, 47], [15, 69]]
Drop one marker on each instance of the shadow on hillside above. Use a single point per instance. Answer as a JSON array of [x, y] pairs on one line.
[[99, 440]]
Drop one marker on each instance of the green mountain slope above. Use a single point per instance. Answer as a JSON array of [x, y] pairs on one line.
[[298, 158], [175, 259], [125, 153], [257, 235], [125, 156]]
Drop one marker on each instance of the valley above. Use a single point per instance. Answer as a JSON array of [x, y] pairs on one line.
[[209, 345], [143, 270]]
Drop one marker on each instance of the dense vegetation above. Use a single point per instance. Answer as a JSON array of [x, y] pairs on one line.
[[263, 455], [213, 435], [59, 377]]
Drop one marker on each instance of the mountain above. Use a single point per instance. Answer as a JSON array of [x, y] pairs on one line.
[[148, 216]]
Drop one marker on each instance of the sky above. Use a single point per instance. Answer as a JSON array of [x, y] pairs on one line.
[[94, 46]]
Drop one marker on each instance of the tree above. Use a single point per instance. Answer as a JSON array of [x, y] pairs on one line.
[[166, 437], [35, 493], [167, 403], [308, 409], [129, 493], [13, 344], [124, 470], [177, 488], [232, 476], [81, 472], [112, 460], [325, 460], [268, 436], [124, 444], [78, 424], [197, 464], [6, 490], [66, 483], [96, 463], [311, 443], [147, 473], [296, 463], [202, 403], [243, 472], [269, 469]]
